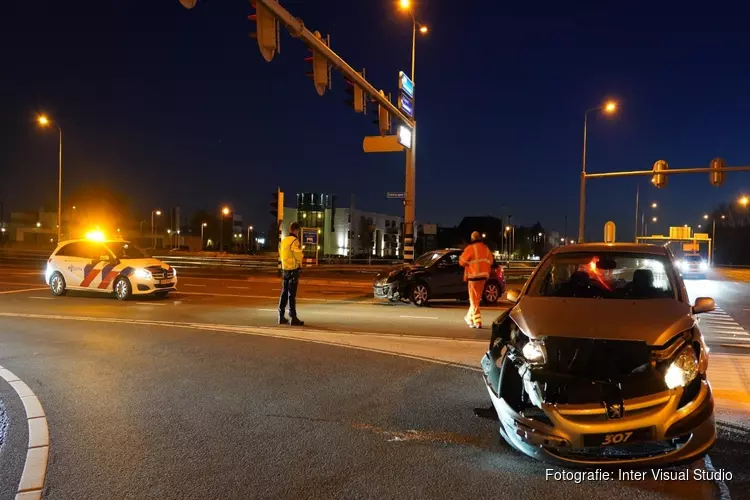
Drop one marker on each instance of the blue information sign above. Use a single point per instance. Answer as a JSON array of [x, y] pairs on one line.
[[405, 84], [309, 236]]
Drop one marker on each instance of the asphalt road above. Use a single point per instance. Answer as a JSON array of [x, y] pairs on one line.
[[147, 405]]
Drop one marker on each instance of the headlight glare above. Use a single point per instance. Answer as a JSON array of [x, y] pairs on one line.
[[704, 265], [142, 274], [534, 352], [682, 370]]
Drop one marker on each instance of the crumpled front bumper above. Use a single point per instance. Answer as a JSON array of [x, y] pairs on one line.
[[678, 434], [387, 291]]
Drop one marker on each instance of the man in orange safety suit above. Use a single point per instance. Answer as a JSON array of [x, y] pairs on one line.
[[477, 259]]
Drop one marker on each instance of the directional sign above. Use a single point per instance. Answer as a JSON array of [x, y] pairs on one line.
[[405, 84], [309, 236], [404, 136], [406, 104], [382, 144], [391, 195]]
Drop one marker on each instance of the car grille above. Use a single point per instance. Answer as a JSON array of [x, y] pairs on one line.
[[159, 273]]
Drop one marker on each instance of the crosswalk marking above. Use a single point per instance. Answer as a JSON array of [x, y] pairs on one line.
[[720, 327]]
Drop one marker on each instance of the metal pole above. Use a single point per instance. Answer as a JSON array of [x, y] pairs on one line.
[[221, 230], [643, 223], [410, 235], [202, 235], [413, 44], [712, 245], [59, 189], [153, 234], [297, 29], [582, 195], [637, 189]]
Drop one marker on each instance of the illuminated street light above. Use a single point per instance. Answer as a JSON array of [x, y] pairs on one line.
[[654, 219], [225, 210], [203, 225], [44, 121], [153, 227], [723, 216], [654, 205], [610, 107], [705, 216], [404, 4], [744, 200], [38, 224], [423, 29]]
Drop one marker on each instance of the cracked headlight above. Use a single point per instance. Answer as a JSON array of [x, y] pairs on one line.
[[142, 274], [534, 352], [682, 370]]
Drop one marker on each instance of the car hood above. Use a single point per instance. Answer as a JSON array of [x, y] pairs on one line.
[[147, 262], [653, 321], [402, 268]]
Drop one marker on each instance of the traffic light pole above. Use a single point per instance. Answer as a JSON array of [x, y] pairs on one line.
[[635, 173]]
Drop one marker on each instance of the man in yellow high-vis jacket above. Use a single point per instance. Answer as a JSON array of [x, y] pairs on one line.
[[290, 253]]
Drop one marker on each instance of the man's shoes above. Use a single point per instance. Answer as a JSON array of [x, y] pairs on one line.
[[283, 320], [296, 322], [476, 325], [469, 322]]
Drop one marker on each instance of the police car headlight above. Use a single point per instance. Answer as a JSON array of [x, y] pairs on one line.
[[704, 265], [142, 274]]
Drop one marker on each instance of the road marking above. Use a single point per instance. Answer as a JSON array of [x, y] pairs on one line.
[[7, 292], [190, 284], [740, 339], [418, 317], [37, 451], [42, 298], [238, 287], [150, 304], [268, 310], [274, 297]]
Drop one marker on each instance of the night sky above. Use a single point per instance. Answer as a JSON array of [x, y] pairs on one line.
[[177, 107]]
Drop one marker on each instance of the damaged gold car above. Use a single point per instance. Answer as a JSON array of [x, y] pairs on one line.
[[601, 361]]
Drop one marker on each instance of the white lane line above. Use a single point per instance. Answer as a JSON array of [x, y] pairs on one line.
[[7, 292], [274, 297], [417, 317], [37, 451], [190, 284], [150, 304], [737, 339], [42, 298], [238, 287], [268, 310]]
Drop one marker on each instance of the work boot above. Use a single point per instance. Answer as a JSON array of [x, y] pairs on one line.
[[295, 321], [283, 320]]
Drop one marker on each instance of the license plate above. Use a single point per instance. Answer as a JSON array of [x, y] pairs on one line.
[[163, 282], [618, 438]]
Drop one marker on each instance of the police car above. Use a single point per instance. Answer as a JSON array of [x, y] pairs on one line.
[[109, 266]]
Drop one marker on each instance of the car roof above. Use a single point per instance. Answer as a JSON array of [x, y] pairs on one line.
[[613, 247], [86, 240]]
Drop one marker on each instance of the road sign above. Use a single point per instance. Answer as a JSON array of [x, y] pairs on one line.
[[382, 144], [405, 84], [404, 136], [406, 104], [391, 195], [309, 236]]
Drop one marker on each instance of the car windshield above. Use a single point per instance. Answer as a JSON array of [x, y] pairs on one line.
[[125, 250], [693, 258], [605, 275], [428, 258]]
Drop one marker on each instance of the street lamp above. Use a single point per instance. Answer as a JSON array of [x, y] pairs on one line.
[[203, 226], [249, 241], [744, 200], [705, 216], [654, 219], [44, 121], [224, 213], [654, 205], [609, 108], [38, 224], [153, 230]]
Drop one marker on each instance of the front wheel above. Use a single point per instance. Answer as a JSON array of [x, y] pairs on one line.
[[491, 292], [122, 288], [420, 295], [57, 285]]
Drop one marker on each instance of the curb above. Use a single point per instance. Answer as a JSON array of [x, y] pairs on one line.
[[37, 453]]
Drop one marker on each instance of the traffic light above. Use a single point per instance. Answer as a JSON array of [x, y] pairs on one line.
[[357, 99], [384, 117], [320, 72], [660, 180], [717, 178], [277, 204], [267, 30]]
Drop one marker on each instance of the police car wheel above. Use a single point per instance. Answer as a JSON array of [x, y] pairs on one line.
[[491, 292], [122, 289], [420, 294], [57, 285]]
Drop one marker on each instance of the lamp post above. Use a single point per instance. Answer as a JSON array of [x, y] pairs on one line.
[[224, 212], [44, 121], [203, 226], [609, 108], [153, 227], [249, 241]]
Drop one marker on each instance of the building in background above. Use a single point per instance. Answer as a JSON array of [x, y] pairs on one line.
[[345, 231]]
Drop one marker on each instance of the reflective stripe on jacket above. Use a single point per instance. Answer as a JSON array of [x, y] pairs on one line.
[[290, 253], [477, 258]]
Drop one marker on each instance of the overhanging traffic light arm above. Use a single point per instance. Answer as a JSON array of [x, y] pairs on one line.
[[297, 28], [634, 173]]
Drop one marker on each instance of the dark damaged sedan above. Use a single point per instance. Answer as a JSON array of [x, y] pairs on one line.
[[434, 275], [601, 361]]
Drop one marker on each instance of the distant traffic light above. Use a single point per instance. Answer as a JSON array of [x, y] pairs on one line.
[[384, 117], [320, 72], [277, 204], [357, 98], [717, 178], [660, 180], [267, 30]]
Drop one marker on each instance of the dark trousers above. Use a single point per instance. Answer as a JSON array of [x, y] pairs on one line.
[[289, 293]]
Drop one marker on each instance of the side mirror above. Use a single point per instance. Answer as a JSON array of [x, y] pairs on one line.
[[513, 295], [104, 258], [704, 305]]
